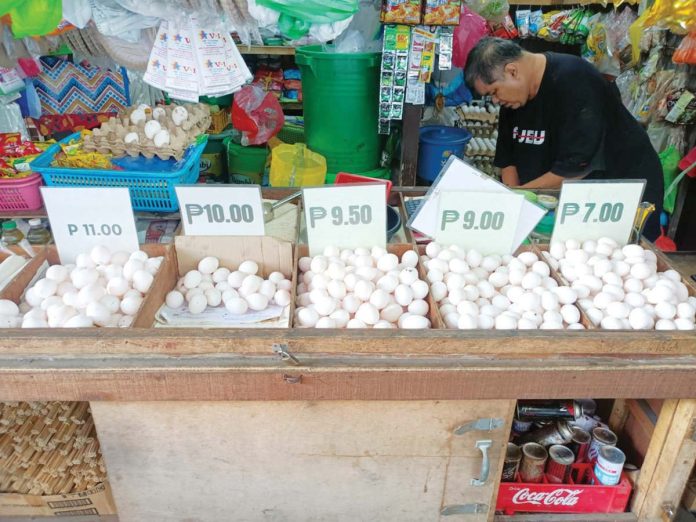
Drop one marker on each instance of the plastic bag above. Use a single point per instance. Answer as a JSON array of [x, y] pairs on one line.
[[522, 22], [536, 22], [366, 23], [77, 12], [264, 16], [472, 27], [686, 52], [35, 17], [669, 158], [676, 15], [257, 114], [296, 16], [112, 19], [492, 10]]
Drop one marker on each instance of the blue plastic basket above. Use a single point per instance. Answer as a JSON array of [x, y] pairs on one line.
[[151, 181]]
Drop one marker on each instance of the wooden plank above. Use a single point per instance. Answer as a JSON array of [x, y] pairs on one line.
[[267, 49], [675, 465], [410, 137], [183, 341], [618, 416], [197, 378], [341, 461]]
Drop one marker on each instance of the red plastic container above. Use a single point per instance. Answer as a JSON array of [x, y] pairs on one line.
[[577, 497], [21, 193], [344, 177]]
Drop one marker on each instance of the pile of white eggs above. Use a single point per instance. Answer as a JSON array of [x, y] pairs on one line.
[[100, 289], [506, 292], [361, 288], [239, 291], [620, 287]]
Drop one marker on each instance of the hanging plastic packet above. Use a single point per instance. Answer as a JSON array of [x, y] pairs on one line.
[[522, 19], [536, 22], [392, 87], [445, 55]]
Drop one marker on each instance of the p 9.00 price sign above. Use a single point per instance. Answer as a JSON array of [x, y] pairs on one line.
[[346, 216], [221, 210], [485, 221], [82, 218], [594, 209]]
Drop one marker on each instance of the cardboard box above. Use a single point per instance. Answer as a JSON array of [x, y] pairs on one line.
[[272, 255], [96, 501]]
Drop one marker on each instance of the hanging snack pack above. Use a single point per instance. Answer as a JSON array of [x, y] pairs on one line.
[[392, 86], [522, 17], [401, 12], [445, 51], [441, 12], [420, 65]]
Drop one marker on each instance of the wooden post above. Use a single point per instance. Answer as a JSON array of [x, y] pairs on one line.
[[409, 145]]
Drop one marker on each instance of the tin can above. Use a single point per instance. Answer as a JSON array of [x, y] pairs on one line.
[[521, 426], [555, 433], [600, 437], [589, 406], [558, 465], [549, 410], [513, 456], [610, 462], [533, 462], [632, 473], [586, 422], [580, 443]]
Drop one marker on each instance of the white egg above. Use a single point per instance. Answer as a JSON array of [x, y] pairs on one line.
[[528, 258], [485, 322], [582, 290], [486, 290], [467, 307], [615, 291], [8, 307], [541, 268], [612, 323], [685, 311], [355, 323], [57, 316], [505, 322], [387, 262], [100, 255], [611, 278], [438, 290], [45, 288], [57, 273], [142, 281], [84, 261], [634, 300], [418, 307], [413, 322], [420, 289], [70, 299], [196, 305], [213, 296], [267, 288], [432, 249], [117, 286], [498, 279], [640, 270], [367, 313], [79, 321], [351, 303], [550, 326], [282, 298], [566, 295], [363, 289], [632, 251], [633, 285], [488, 264], [467, 322], [639, 319], [383, 325], [258, 302], [458, 266], [89, 294], [305, 264], [250, 285], [530, 280], [570, 314], [324, 306], [446, 255], [53, 300], [434, 275], [403, 294], [34, 322], [391, 313], [98, 313], [208, 265], [665, 324], [500, 301], [131, 267], [325, 322], [601, 267], [111, 303], [684, 324], [379, 299], [341, 318], [604, 249], [409, 259], [665, 310], [248, 267]]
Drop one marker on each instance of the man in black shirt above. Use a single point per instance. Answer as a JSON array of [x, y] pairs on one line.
[[561, 119]]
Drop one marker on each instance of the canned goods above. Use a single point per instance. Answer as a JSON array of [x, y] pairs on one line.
[[521, 426], [513, 456], [610, 462], [533, 462], [580, 443], [555, 433], [549, 410], [600, 437], [558, 466], [589, 406]]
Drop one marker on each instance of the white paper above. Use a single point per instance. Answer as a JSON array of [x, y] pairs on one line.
[[182, 68], [272, 317], [458, 175]]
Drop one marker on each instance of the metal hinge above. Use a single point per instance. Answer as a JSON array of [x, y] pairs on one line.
[[464, 509], [669, 510], [479, 425], [281, 349]]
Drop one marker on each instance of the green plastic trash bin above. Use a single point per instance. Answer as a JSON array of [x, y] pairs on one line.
[[245, 164], [340, 94]]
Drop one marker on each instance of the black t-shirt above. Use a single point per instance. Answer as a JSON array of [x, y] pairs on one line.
[[576, 125]]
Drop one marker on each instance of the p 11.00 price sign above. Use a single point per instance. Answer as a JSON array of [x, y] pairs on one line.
[[346, 216], [82, 218], [594, 209], [485, 221], [221, 210]]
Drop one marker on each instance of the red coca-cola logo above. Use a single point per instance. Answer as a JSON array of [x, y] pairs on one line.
[[557, 497]]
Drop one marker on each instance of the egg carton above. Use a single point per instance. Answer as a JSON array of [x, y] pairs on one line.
[[132, 132]]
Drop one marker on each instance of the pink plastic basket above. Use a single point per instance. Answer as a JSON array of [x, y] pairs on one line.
[[21, 194]]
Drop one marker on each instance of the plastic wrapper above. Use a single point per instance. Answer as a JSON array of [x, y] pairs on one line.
[[257, 114], [366, 24], [11, 120], [686, 52], [669, 158], [407, 12], [33, 17], [492, 10], [441, 12], [472, 27], [676, 15], [264, 16], [536, 22], [297, 16], [522, 22], [77, 12], [112, 19]]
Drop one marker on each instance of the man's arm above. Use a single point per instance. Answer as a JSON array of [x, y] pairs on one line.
[[547, 181], [509, 176]]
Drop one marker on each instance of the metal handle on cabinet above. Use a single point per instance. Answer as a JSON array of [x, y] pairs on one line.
[[483, 445]]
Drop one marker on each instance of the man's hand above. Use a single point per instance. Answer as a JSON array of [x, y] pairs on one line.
[[509, 176], [547, 181]]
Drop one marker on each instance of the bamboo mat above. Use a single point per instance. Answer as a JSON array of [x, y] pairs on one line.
[[48, 448]]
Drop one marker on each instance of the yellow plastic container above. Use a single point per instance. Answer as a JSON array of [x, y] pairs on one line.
[[296, 166]]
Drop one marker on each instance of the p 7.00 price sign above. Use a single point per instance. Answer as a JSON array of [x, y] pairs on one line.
[[82, 218], [221, 210], [594, 209], [346, 216], [485, 221]]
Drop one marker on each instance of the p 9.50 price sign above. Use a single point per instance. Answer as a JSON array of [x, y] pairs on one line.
[[594, 209], [346, 216], [221, 210], [485, 221], [82, 218]]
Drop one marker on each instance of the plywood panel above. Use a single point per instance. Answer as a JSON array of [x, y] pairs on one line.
[[300, 460]]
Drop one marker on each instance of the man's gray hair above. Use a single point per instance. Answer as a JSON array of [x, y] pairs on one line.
[[489, 57]]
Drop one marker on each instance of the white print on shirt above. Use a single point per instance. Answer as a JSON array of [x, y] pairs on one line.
[[533, 137]]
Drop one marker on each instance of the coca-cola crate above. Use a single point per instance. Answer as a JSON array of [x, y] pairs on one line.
[[578, 496]]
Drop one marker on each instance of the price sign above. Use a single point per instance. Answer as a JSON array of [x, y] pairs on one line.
[[221, 210], [485, 221], [346, 216], [82, 218], [594, 209]]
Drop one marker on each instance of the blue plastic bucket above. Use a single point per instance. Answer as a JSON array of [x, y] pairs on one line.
[[437, 144]]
